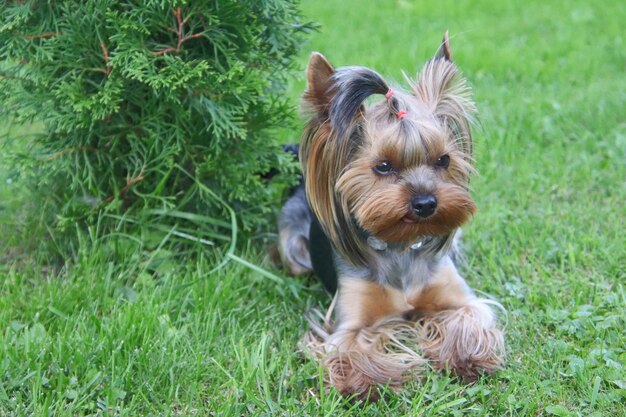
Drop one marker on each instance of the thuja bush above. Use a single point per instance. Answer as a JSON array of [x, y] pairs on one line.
[[158, 113]]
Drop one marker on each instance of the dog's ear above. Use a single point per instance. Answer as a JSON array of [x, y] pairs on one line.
[[445, 93], [445, 51], [335, 98], [319, 84]]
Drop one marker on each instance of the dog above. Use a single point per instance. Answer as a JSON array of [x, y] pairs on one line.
[[378, 220]]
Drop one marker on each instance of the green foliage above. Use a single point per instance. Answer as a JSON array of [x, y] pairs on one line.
[[143, 102]]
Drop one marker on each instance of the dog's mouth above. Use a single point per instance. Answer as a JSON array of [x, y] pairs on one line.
[[430, 225], [409, 219]]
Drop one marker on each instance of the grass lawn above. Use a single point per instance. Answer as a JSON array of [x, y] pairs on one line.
[[152, 334]]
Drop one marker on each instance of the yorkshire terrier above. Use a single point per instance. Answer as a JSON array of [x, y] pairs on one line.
[[377, 219]]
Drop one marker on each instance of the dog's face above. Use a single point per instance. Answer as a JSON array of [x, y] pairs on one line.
[[399, 169], [407, 179]]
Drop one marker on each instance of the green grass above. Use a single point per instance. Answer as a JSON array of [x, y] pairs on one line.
[[146, 333]]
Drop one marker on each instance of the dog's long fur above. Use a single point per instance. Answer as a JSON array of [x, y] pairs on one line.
[[399, 292]]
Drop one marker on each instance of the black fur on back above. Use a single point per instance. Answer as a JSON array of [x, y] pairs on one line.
[[353, 86]]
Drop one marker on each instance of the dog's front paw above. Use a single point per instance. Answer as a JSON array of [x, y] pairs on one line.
[[466, 340], [359, 362], [359, 375]]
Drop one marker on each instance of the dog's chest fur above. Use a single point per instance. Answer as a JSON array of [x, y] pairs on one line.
[[399, 268]]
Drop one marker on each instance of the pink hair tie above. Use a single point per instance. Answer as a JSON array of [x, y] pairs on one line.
[[388, 94], [401, 114]]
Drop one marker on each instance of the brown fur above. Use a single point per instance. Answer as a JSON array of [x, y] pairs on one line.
[[362, 303], [437, 124], [373, 346], [446, 291], [319, 91], [465, 340], [457, 330], [360, 361]]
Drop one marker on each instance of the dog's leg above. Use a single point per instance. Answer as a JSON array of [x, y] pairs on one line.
[[367, 348], [293, 234], [458, 330]]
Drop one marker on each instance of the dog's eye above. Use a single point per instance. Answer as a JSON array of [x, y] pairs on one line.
[[443, 162], [383, 168]]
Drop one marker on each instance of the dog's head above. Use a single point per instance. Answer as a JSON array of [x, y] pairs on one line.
[[398, 169]]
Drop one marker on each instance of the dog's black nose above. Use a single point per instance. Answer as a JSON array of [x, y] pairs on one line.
[[424, 205]]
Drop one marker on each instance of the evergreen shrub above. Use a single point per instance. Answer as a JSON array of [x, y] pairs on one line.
[[153, 112]]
